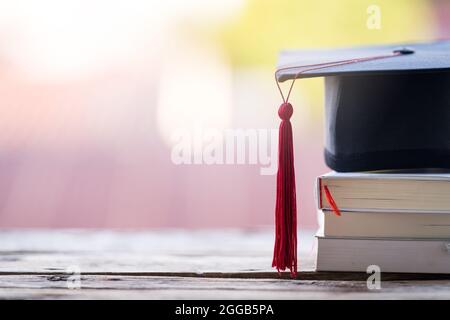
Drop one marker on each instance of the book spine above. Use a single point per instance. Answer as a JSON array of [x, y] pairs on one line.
[[318, 192], [320, 182], [375, 210], [355, 255]]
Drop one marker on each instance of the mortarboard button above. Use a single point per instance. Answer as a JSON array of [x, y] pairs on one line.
[[403, 50]]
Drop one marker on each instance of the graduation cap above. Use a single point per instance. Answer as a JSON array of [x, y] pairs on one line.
[[386, 107]]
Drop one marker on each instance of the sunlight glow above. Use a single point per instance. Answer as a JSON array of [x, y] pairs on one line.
[[59, 39], [195, 91]]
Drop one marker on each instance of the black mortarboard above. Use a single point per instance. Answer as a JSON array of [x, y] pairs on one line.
[[387, 107]]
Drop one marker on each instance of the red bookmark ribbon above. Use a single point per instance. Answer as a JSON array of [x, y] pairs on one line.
[[331, 201]]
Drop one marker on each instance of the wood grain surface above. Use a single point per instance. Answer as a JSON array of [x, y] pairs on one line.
[[175, 264]]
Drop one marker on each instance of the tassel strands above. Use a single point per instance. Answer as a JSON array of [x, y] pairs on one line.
[[285, 251]]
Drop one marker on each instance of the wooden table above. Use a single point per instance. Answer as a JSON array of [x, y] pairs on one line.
[[174, 264]]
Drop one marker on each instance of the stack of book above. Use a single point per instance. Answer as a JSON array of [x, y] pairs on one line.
[[397, 221]]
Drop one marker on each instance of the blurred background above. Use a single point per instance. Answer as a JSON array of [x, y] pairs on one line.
[[92, 91]]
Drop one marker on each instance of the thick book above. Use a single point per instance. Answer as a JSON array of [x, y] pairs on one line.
[[363, 224], [405, 255], [394, 192]]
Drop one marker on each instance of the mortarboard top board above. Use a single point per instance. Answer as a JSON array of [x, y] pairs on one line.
[[384, 113], [424, 57]]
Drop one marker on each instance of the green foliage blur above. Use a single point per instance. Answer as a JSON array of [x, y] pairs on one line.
[[266, 26], [254, 38]]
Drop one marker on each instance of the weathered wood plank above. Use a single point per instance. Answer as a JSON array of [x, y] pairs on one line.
[[159, 251], [302, 275], [181, 265], [143, 287]]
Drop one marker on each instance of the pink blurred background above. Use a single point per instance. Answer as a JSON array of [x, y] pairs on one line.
[[91, 92]]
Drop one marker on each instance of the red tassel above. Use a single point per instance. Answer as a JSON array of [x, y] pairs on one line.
[[285, 251]]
